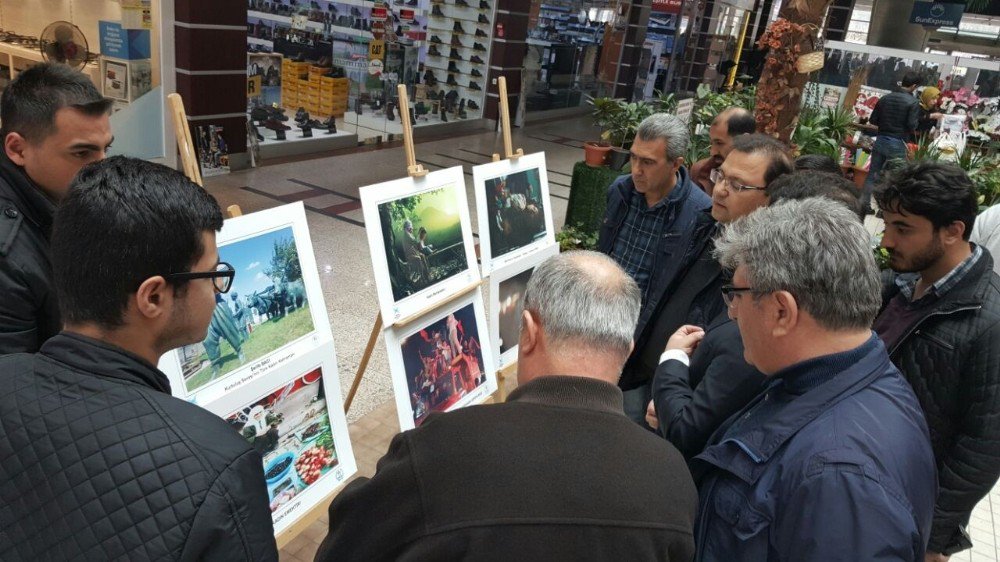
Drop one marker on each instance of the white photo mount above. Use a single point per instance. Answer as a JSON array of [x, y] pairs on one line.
[[311, 454], [505, 349], [518, 244], [446, 188], [434, 329], [292, 313]]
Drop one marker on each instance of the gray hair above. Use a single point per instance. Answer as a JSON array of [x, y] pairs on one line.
[[584, 298], [670, 128], [816, 250]]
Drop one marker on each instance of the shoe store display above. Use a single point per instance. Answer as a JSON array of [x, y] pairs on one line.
[[461, 110], [307, 131], [456, 42], [451, 80], [484, 19], [473, 105], [429, 78], [484, 5], [256, 133], [436, 11], [474, 86], [434, 52], [301, 115], [444, 114], [478, 47], [390, 111], [458, 27], [411, 2], [476, 59], [481, 33], [462, 3], [436, 39], [258, 114], [476, 73], [331, 124], [452, 67], [455, 55]]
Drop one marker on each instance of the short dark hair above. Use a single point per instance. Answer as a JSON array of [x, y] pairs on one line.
[[741, 122], [910, 79], [817, 162], [776, 152], [125, 220], [812, 183], [941, 192], [29, 104]]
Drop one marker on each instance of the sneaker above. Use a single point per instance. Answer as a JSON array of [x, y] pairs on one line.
[[437, 11], [433, 51], [476, 59], [484, 5], [484, 19], [474, 86], [436, 39], [473, 105], [476, 73], [479, 32], [458, 27], [478, 47]]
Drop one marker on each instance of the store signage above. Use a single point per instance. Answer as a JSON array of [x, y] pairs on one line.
[[379, 13], [668, 6], [120, 43], [375, 67], [937, 14], [684, 109], [376, 49], [253, 86], [408, 15]]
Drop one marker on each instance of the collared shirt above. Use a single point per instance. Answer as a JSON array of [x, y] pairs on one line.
[[638, 239], [908, 283]]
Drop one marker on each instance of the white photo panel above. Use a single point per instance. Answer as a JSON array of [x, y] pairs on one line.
[[273, 312], [420, 236], [296, 422], [514, 210], [441, 361], [507, 287]]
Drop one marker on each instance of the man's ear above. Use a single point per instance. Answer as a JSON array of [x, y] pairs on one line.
[[678, 162], [530, 333], [953, 233], [154, 297], [14, 145], [784, 313]]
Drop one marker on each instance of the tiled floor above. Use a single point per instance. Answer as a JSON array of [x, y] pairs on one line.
[[329, 189]]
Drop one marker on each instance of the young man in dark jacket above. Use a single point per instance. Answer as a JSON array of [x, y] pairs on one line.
[[538, 477], [54, 122], [896, 115], [832, 460], [649, 227], [99, 462], [940, 320]]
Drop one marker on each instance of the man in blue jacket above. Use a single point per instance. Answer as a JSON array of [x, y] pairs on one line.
[[648, 230], [832, 461]]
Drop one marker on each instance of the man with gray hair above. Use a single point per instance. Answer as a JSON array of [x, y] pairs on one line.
[[648, 229], [538, 477], [832, 461]]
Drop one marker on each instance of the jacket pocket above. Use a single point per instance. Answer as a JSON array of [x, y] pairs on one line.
[[935, 339], [742, 530]]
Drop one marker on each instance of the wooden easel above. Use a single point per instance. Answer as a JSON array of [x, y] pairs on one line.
[[413, 169], [505, 124]]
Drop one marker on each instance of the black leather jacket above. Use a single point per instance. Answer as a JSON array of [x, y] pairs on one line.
[[951, 358], [29, 312], [99, 462], [897, 115]]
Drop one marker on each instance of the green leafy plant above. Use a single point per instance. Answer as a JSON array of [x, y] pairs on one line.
[[574, 237], [619, 119], [821, 130]]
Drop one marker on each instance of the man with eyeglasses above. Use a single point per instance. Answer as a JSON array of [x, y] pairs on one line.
[[100, 462], [832, 460], [700, 388]]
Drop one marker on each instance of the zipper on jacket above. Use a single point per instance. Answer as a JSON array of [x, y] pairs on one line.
[[913, 328], [935, 339]]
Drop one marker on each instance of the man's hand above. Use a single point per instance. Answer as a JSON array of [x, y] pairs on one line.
[[651, 419], [686, 339], [936, 557]]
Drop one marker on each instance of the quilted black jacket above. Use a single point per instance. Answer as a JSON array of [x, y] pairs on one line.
[[951, 358], [99, 462]]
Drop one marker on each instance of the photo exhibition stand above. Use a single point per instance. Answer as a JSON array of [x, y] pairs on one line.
[[415, 170]]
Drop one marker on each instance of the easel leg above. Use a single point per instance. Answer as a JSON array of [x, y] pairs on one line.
[[364, 361]]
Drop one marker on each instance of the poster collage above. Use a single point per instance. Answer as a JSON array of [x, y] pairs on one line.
[[442, 353], [267, 364]]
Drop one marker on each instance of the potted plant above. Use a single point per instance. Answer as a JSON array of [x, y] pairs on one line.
[[596, 152]]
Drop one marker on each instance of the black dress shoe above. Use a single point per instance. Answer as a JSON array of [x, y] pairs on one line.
[[484, 5], [476, 73], [479, 32], [436, 39], [478, 47], [452, 67], [484, 19], [476, 59], [451, 80], [473, 104], [331, 125], [436, 11], [456, 42], [474, 86], [258, 114], [455, 55], [434, 52], [276, 125], [462, 3], [457, 28]]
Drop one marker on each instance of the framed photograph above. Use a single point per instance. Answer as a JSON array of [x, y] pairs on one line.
[[298, 426], [420, 237], [515, 214], [115, 80], [273, 312], [441, 361], [507, 287], [213, 152]]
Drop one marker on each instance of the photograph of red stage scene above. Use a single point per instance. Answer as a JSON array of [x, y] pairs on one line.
[[443, 362]]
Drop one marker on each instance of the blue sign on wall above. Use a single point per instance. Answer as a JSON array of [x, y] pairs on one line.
[[936, 14], [119, 43]]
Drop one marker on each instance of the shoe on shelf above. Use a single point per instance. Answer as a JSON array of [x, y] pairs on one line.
[[476, 73], [478, 47], [481, 33], [259, 114], [473, 105], [434, 52], [455, 55], [456, 42], [411, 3], [436, 39], [452, 67], [462, 3], [484, 5], [476, 59], [474, 86], [331, 124], [436, 11], [484, 19], [458, 27], [276, 125], [451, 80]]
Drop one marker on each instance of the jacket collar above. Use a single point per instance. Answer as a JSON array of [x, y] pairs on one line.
[[35, 206], [970, 291], [571, 392], [680, 192], [746, 454], [103, 360]]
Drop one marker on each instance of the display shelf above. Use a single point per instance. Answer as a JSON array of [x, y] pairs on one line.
[[311, 25], [262, 42]]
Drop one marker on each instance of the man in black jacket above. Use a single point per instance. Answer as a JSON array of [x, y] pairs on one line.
[[97, 460], [940, 321], [896, 115], [54, 122], [540, 476]]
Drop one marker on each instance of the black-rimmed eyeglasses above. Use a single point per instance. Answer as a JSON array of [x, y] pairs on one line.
[[729, 293], [222, 277], [717, 176]]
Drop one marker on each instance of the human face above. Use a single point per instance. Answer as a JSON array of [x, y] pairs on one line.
[[720, 142], [53, 162], [195, 303], [749, 316], [653, 173], [747, 169], [912, 242]]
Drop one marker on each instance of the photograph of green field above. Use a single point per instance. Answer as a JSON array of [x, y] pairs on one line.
[[265, 309]]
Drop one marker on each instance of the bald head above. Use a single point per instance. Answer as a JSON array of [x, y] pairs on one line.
[[583, 303], [731, 123]]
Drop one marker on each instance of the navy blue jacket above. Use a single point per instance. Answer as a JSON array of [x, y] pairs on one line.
[[840, 468], [668, 266]]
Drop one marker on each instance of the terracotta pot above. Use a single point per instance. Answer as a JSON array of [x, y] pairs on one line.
[[595, 153]]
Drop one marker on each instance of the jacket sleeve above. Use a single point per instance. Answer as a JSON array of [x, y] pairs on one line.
[[876, 115], [234, 522], [860, 520], [968, 471], [913, 117], [373, 519], [18, 311]]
